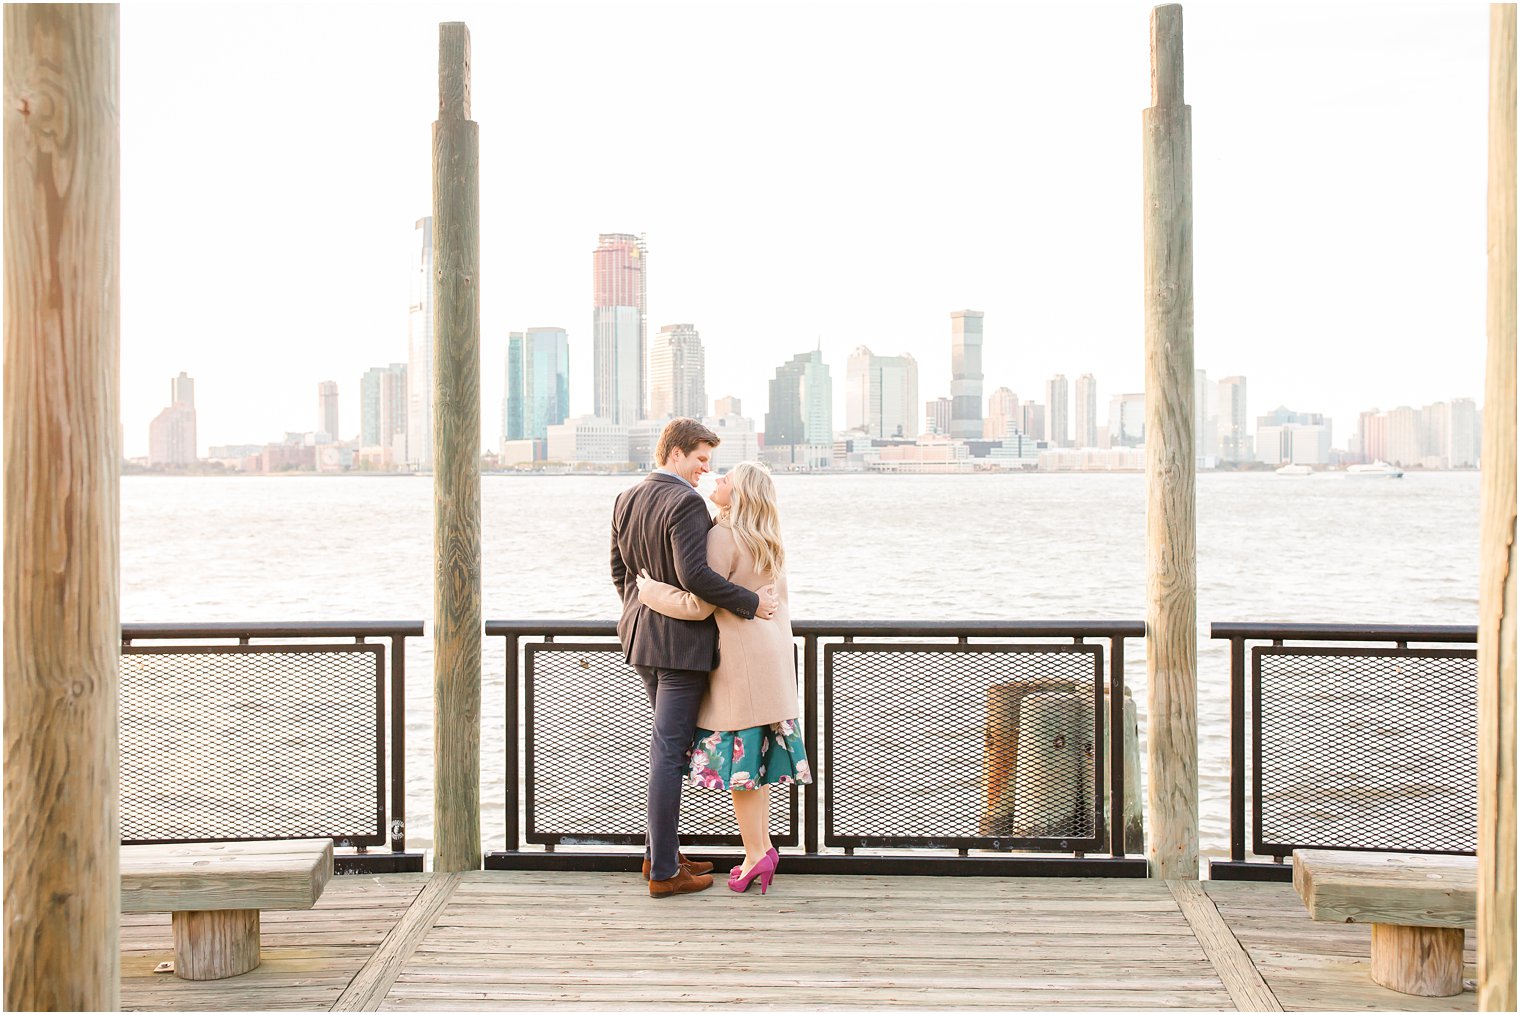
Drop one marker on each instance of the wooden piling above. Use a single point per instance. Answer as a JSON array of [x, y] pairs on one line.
[[456, 460], [1496, 595], [62, 466], [1171, 639]]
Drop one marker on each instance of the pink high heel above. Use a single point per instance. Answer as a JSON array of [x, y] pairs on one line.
[[765, 870], [734, 872]]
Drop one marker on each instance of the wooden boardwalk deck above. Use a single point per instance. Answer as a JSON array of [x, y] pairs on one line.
[[516, 940]]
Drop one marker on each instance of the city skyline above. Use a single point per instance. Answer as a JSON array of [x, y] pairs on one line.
[[758, 254]]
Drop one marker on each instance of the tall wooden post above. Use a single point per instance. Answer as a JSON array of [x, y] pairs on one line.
[[62, 468], [1496, 594], [456, 460], [1171, 634]]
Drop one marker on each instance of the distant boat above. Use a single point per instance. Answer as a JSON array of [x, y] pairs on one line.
[[1295, 470], [1377, 470]]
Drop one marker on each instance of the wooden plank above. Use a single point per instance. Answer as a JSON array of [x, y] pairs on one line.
[[1498, 567], [456, 461], [1171, 627], [1247, 989], [370, 985], [62, 211], [1409, 889], [288, 874]]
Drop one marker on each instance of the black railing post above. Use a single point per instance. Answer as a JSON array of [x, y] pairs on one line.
[[810, 741], [398, 743], [1119, 821], [514, 838], [1238, 750]]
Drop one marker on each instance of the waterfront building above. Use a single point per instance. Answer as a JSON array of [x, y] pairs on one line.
[[738, 440], [1002, 414], [1016, 451], [677, 373], [799, 423], [538, 383], [1114, 459], [1033, 422], [171, 435], [1373, 428], [937, 416], [1086, 411], [1234, 441], [522, 452], [1205, 422], [620, 347], [588, 440], [1292, 442], [966, 374], [728, 405], [643, 438], [1126, 420], [382, 413], [928, 454], [1463, 434], [327, 409], [1057, 412], [881, 394], [1405, 440], [419, 362]]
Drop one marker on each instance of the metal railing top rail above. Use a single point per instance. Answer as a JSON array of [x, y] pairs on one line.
[[277, 629], [858, 628], [1344, 632]]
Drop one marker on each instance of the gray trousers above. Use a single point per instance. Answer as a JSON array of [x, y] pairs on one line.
[[675, 695]]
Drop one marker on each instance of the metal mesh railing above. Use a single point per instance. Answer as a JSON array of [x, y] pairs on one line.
[[587, 756], [964, 746], [252, 742], [1365, 748]]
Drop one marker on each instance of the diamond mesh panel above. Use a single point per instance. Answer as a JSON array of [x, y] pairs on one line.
[[963, 745], [1366, 748], [252, 742], [587, 754]]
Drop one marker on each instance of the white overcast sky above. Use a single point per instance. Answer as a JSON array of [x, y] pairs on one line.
[[838, 172]]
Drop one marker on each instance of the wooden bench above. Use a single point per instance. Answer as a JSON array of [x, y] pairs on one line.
[[1418, 904], [215, 891]]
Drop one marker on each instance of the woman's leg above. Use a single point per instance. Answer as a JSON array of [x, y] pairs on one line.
[[753, 809]]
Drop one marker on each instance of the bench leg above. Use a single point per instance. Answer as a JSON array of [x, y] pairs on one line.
[[1418, 960], [215, 943]]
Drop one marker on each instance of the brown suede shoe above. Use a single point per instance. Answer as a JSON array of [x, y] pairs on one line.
[[690, 866], [681, 884]]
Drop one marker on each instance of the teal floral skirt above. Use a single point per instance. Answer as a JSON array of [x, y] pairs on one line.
[[750, 758]]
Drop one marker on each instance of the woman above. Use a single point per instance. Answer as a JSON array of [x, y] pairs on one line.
[[747, 737]]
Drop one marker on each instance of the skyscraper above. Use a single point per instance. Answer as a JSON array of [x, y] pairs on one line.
[[1234, 441], [1057, 411], [1002, 413], [937, 416], [1087, 411], [677, 373], [382, 406], [182, 390], [171, 435], [966, 374], [419, 360], [1205, 425], [1126, 420], [728, 405], [1463, 434], [881, 394], [327, 408], [620, 348], [538, 383], [799, 423]]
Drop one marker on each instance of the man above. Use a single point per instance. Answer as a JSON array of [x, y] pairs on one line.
[[659, 528]]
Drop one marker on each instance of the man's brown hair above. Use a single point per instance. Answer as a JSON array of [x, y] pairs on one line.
[[685, 434]]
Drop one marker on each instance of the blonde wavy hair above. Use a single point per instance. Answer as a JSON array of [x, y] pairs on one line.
[[751, 514]]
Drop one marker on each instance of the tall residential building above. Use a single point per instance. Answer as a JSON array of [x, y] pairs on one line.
[[1086, 411], [799, 423], [419, 359], [1405, 446], [677, 373], [1205, 425], [1463, 435], [1002, 415], [1372, 429], [937, 416], [382, 407], [171, 435], [1057, 411], [966, 374], [327, 408], [881, 394], [1126, 420], [538, 383], [1234, 440], [620, 345], [1033, 425], [728, 405]]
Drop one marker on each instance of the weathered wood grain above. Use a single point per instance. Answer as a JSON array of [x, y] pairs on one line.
[[373, 982], [1497, 578], [1410, 889], [215, 944], [1248, 990], [62, 463], [456, 461], [1418, 960], [282, 874], [1171, 630]]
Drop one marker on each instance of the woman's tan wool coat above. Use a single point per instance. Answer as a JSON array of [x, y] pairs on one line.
[[756, 679]]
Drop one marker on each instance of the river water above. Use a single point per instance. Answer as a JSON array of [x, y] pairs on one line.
[[1323, 548]]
